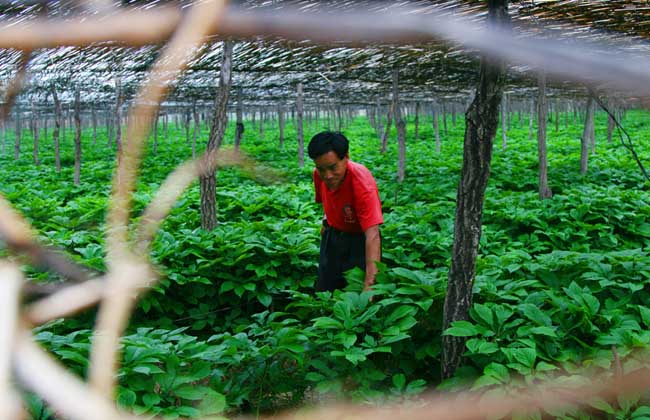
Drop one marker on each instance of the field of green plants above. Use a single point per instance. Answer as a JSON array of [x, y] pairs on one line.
[[235, 327]]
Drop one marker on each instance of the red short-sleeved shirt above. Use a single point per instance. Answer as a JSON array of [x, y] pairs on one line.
[[354, 206]]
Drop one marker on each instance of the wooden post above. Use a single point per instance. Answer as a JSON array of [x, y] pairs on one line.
[[77, 137], [453, 114], [166, 126], [155, 131], [208, 181], [36, 132], [281, 124], [3, 136], [262, 123], [110, 129], [417, 121], [542, 109], [389, 121], [239, 130], [299, 133], [611, 124], [94, 122], [380, 126], [444, 118], [57, 127], [401, 130], [197, 127], [531, 119], [187, 121], [17, 131], [586, 133], [504, 123], [482, 119], [118, 114], [436, 127]]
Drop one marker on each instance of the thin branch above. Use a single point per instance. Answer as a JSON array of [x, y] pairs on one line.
[[173, 187], [65, 302], [128, 275], [623, 135], [11, 280], [16, 233]]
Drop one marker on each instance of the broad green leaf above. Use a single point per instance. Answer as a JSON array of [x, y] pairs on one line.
[[645, 315], [326, 322], [547, 331], [399, 381], [150, 399], [481, 346], [497, 371], [190, 392], [400, 312], [602, 405], [126, 397], [348, 340], [461, 329], [535, 314], [484, 313], [212, 403]]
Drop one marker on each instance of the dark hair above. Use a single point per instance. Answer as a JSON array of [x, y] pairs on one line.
[[327, 141]]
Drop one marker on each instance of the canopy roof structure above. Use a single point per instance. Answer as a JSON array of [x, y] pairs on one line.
[[341, 51]]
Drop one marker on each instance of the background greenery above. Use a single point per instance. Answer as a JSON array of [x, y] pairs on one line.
[[235, 327]]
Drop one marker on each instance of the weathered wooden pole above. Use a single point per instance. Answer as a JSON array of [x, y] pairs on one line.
[[93, 115], [77, 137], [389, 121], [187, 122], [262, 123], [17, 131], [56, 128], [299, 132], [379, 125], [3, 136], [453, 114], [586, 133], [118, 114], [482, 119], [436, 127], [197, 127], [281, 124], [444, 117], [156, 118], [417, 121], [611, 124], [504, 123], [110, 128], [542, 109], [208, 181], [239, 130], [531, 119], [36, 132], [401, 130]]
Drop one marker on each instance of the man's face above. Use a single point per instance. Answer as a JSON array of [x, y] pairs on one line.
[[331, 169]]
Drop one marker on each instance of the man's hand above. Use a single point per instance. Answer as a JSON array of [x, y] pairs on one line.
[[373, 254]]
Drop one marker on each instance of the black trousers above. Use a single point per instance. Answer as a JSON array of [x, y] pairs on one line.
[[339, 252]]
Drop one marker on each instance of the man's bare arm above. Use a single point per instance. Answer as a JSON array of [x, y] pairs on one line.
[[373, 254]]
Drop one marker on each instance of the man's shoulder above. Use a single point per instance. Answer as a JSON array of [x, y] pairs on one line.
[[358, 168], [362, 176]]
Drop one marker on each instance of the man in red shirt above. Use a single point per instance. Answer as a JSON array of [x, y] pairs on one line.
[[350, 233]]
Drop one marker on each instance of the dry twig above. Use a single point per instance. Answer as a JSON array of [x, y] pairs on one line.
[[10, 282], [122, 287]]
